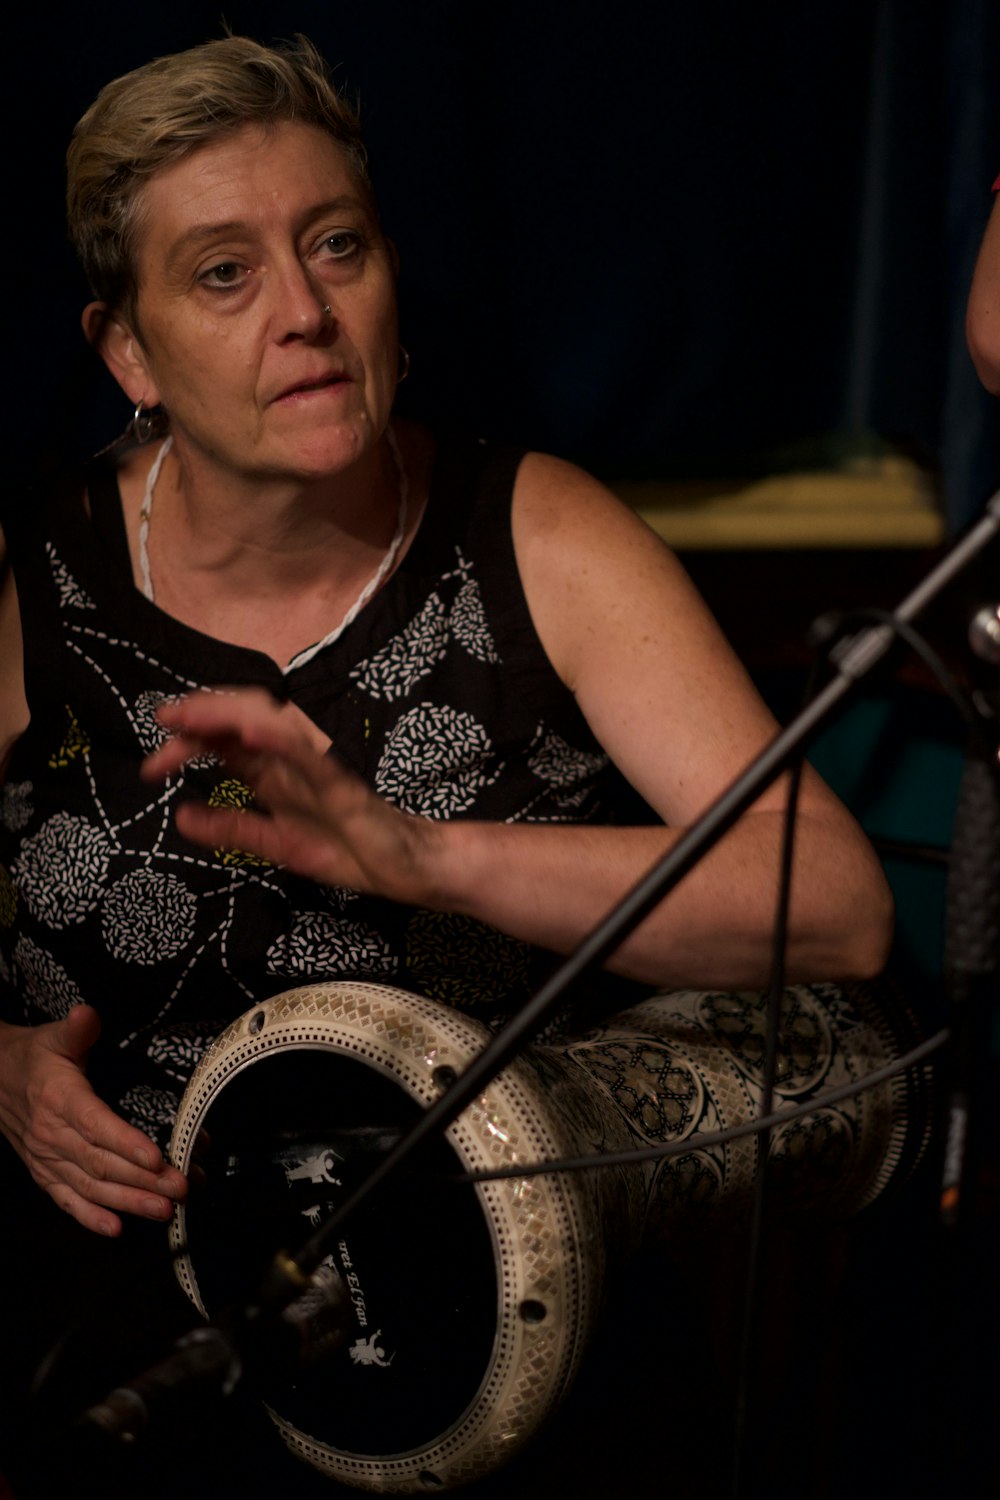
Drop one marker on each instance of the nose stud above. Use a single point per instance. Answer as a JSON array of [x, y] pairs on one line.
[[325, 310]]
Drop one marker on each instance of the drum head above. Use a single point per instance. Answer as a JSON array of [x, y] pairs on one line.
[[406, 1331], [447, 1320]]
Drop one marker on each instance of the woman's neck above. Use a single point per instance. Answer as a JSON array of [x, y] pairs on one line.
[[270, 564], [217, 519]]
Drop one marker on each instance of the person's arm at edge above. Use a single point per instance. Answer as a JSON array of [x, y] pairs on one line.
[[982, 317]]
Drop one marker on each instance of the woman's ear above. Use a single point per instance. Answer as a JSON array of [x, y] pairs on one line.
[[121, 351]]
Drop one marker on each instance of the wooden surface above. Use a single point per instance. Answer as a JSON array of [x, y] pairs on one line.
[[886, 501]]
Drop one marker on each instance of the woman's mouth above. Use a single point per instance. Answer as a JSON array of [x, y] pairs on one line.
[[322, 385]]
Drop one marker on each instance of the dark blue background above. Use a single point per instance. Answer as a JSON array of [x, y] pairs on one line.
[[662, 240]]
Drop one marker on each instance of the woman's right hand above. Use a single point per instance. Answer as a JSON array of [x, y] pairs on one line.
[[89, 1160]]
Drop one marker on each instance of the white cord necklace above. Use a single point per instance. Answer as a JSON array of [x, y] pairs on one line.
[[145, 511], [377, 578]]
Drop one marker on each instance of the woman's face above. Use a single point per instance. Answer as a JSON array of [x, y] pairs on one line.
[[241, 246]]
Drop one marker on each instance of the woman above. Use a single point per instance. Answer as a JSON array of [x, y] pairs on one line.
[[249, 295], [436, 661]]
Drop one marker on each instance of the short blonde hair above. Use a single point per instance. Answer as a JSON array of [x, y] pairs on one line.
[[161, 112]]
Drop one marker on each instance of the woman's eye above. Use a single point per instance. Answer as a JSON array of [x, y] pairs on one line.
[[341, 244], [225, 275]]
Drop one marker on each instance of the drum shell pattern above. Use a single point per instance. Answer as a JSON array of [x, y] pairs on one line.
[[682, 1065]]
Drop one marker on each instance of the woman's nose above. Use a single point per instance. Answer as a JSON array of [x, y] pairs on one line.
[[300, 306]]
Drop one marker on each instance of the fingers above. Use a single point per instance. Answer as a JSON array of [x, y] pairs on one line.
[[70, 1040], [280, 840], [96, 1184], [75, 1034], [229, 828], [97, 1220], [113, 1151], [310, 814], [101, 1156], [282, 756], [98, 1205], [249, 714], [106, 1133], [228, 724], [93, 1163], [99, 1214], [175, 753]]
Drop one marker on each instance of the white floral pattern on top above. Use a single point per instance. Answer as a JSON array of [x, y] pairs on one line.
[[435, 761], [566, 770], [148, 916], [45, 982], [149, 732], [71, 595], [179, 1050], [468, 621], [61, 870], [320, 943], [392, 672], [152, 1110]]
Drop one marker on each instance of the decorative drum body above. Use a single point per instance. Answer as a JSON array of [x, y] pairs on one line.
[[449, 1319]]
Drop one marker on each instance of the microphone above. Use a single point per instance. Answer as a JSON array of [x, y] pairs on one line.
[[293, 1321], [203, 1359], [213, 1359], [984, 633]]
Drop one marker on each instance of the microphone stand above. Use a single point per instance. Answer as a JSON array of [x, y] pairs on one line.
[[238, 1330], [972, 987]]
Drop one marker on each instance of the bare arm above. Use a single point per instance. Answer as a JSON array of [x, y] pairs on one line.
[[13, 704], [663, 692], [982, 320], [92, 1163], [667, 699]]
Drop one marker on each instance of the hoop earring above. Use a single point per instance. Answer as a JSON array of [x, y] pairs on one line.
[[143, 424], [405, 365]]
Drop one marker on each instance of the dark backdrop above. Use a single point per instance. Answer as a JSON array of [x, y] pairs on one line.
[[661, 239]]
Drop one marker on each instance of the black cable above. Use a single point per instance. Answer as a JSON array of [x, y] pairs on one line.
[[921, 854], [758, 1218]]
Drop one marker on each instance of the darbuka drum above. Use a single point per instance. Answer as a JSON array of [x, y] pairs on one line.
[[467, 1309]]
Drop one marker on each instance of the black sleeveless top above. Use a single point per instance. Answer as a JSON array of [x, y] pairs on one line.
[[439, 695]]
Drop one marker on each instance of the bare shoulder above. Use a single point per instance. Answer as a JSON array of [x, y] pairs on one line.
[[553, 497], [13, 704], [982, 322], [592, 569], [630, 636]]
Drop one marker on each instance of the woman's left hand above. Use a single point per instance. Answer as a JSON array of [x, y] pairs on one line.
[[311, 814]]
